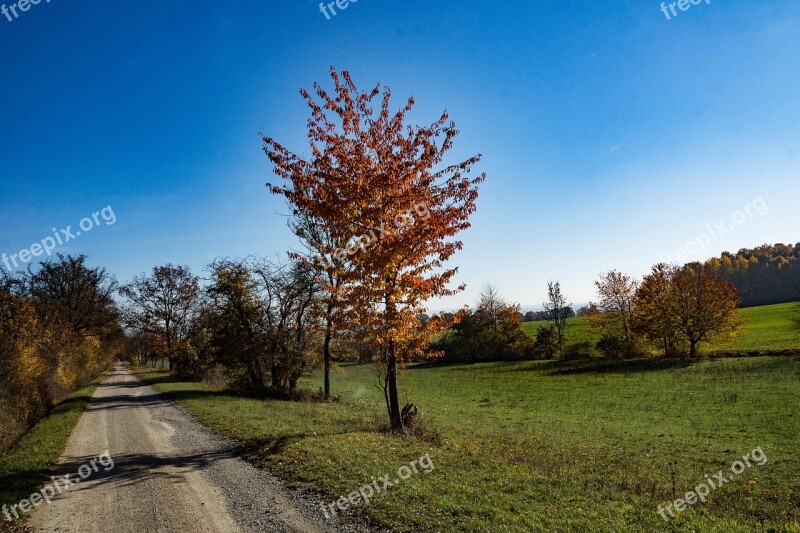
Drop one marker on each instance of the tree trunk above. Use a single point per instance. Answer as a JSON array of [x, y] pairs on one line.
[[326, 355], [692, 349], [394, 401]]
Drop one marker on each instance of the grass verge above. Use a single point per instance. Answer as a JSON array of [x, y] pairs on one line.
[[25, 467]]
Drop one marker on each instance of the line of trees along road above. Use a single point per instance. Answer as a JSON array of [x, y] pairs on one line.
[[59, 328]]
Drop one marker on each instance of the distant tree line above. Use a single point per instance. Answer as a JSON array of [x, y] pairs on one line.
[[542, 316], [767, 274], [59, 328]]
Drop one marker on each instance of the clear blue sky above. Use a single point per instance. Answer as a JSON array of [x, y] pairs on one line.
[[611, 136]]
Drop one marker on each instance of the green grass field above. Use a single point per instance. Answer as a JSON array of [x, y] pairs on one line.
[[567, 446], [768, 328], [24, 468]]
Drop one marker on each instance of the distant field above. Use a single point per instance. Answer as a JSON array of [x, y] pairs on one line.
[[768, 328], [581, 446]]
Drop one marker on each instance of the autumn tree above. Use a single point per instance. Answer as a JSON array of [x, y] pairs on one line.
[[556, 308], [656, 317], [372, 178], [238, 321], [24, 365], [614, 310], [164, 303], [706, 306], [79, 318], [58, 331]]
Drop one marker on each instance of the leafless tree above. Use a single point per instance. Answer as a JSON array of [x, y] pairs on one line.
[[556, 308]]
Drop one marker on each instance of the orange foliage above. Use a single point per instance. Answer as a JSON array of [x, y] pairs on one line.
[[370, 172]]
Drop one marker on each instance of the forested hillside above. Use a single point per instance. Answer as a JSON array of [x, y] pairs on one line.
[[767, 274]]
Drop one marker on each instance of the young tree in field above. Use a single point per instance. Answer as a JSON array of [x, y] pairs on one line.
[[333, 273], [706, 306], [617, 293], [556, 308], [165, 303], [656, 317], [371, 175]]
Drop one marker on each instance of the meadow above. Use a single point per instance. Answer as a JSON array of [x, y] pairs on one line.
[[589, 446], [768, 327]]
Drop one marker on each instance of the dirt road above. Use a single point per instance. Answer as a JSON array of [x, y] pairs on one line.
[[170, 474]]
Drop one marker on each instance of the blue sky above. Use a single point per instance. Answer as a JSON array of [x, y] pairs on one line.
[[611, 136]]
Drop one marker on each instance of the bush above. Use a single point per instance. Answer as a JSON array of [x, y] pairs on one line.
[[578, 350], [42, 361], [546, 344], [614, 347]]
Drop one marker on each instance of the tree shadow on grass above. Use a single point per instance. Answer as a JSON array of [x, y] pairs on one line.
[[260, 448], [454, 364], [559, 367], [628, 366]]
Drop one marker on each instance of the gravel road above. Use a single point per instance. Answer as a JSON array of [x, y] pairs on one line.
[[170, 473]]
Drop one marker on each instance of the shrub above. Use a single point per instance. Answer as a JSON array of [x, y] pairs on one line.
[[577, 350], [614, 347], [546, 344]]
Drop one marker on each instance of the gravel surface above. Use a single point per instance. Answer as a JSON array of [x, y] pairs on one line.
[[170, 473]]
